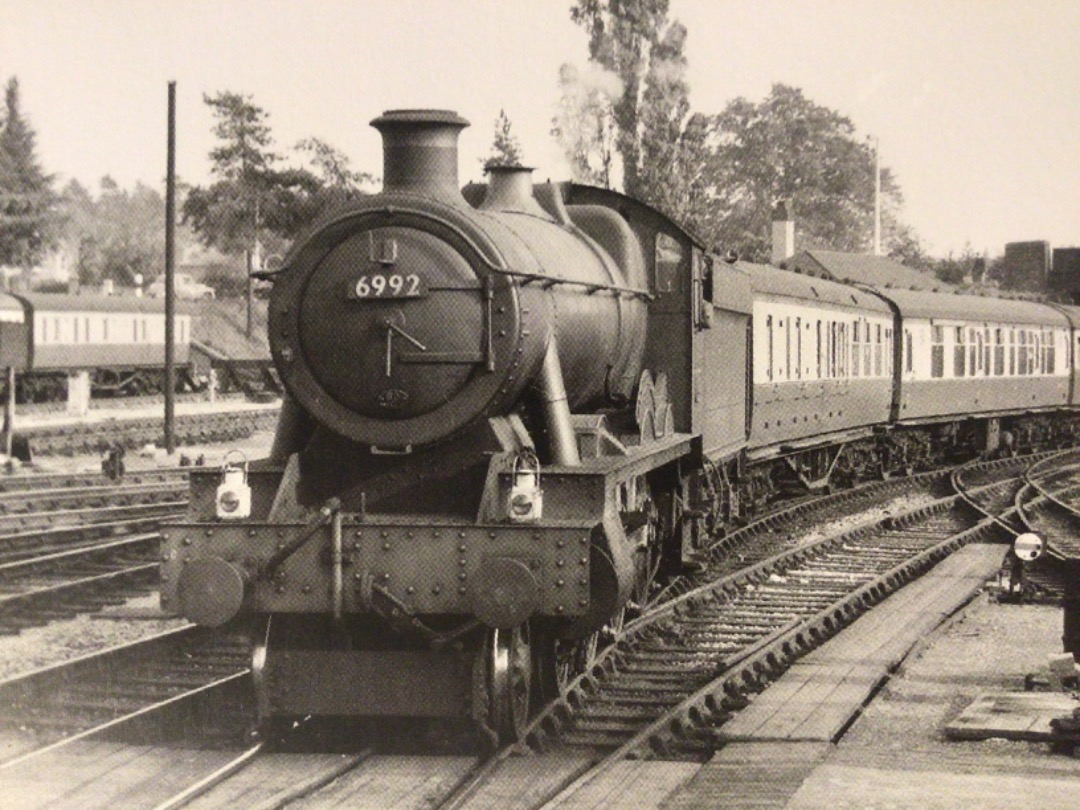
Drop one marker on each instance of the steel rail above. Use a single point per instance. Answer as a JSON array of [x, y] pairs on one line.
[[749, 669], [36, 542]]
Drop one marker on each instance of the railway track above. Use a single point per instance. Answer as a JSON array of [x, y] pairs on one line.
[[196, 428], [62, 584], [174, 673], [89, 553], [666, 683]]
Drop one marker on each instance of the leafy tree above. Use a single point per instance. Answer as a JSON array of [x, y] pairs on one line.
[[28, 218], [903, 244], [333, 182], [333, 167], [117, 236], [505, 148], [635, 104], [229, 213], [787, 147], [585, 122], [622, 35], [251, 198]]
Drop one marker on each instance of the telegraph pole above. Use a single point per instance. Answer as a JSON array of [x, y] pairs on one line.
[[170, 291]]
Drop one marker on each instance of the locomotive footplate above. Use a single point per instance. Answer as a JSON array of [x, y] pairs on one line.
[[501, 573]]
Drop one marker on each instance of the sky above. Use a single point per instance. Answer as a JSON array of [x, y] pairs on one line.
[[975, 103]]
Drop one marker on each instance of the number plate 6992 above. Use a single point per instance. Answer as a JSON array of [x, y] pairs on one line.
[[388, 285]]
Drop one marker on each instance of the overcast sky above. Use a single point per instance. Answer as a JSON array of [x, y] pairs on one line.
[[976, 103]]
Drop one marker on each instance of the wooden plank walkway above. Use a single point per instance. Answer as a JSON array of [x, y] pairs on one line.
[[785, 736], [1012, 715], [823, 693]]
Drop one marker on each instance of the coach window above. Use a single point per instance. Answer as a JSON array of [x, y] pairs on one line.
[[877, 350], [856, 344], [769, 330], [959, 352], [669, 255], [973, 353], [937, 352], [999, 352], [798, 348], [1048, 351], [909, 352], [819, 348], [1022, 354], [977, 360], [768, 326]]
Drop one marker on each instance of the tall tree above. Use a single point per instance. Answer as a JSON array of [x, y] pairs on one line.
[[505, 148], [585, 122], [787, 147], [229, 213], [117, 236], [333, 167], [28, 215], [662, 147], [622, 35]]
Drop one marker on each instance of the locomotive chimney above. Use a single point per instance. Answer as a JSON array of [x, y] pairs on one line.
[[420, 152], [510, 189]]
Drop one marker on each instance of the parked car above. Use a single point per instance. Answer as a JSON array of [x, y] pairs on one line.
[[186, 287]]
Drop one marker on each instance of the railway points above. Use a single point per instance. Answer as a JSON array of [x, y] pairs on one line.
[[541, 780], [505, 492]]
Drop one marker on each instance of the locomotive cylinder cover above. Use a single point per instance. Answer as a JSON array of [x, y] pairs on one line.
[[407, 316]]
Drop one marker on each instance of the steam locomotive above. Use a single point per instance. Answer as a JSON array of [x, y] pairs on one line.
[[512, 409]]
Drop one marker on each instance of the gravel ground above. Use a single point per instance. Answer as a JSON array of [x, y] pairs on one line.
[[895, 506], [63, 640], [990, 647], [255, 446]]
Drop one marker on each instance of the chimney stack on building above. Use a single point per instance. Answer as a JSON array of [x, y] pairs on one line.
[[783, 234]]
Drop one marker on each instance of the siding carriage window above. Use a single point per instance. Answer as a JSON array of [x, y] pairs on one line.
[[937, 352], [979, 355], [909, 353], [1022, 354], [1048, 351], [986, 351], [144, 330], [973, 353], [959, 352], [787, 349], [1012, 352], [999, 352]]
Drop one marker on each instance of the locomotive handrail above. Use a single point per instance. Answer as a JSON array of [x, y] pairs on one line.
[[592, 287]]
